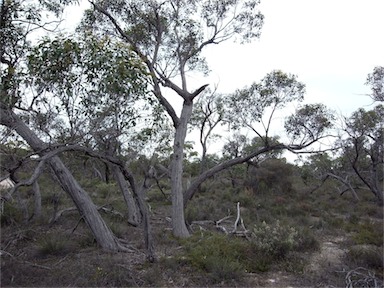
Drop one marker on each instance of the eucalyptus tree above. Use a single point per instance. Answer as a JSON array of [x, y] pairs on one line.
[[99, 85], [376, 81], [363, 148], [169, 37], [23, 92], [252, 110], [254, 107], [208, 115]]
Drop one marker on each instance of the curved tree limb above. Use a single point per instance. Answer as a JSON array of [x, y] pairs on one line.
[[188, 194]]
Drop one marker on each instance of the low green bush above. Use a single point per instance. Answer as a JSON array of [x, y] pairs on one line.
[[273, 243], [220, 257], [275, 239], [226, 258]]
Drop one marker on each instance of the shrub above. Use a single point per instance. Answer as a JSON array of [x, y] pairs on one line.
[[87, 240], [274, 175], [225, 270], [276, 240], [118, 229], [217, 255]]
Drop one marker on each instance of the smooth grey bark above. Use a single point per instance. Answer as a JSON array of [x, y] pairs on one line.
[[133, 212], [83, 202], [178, 221]]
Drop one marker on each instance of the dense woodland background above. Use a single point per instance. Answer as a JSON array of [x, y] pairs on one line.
[[107, 191]]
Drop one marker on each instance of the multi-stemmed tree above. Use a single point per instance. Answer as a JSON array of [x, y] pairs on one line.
[[169, 37], [39, 84], [359, 149]]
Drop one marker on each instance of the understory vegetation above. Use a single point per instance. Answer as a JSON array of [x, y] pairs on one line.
[[282, 230]]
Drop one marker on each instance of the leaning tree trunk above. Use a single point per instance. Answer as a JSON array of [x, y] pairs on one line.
[[178, 220], [83, 202], [133, 212]]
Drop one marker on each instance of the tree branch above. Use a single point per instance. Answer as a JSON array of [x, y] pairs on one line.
[[188, 194], [157, 91]]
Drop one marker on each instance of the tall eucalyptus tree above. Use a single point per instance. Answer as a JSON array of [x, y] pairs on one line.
[[169, 37]]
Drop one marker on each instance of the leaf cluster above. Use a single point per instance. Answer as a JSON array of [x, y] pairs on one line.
[[18, 22]]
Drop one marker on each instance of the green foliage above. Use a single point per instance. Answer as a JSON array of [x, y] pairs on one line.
[[272, 244], [276, 239], [376, 81], [105, 190], [218, 256], [307, 241], [224, 258], [309, 123], [19, 19], [69, 61], [274, 91], [272, 175]]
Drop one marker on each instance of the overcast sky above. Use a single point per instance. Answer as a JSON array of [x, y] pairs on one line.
[[331, 45]]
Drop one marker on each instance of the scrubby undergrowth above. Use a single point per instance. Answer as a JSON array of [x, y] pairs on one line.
[[293, 238]]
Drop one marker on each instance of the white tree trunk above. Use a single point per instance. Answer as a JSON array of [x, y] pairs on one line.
[[83, 202], [178, 220]]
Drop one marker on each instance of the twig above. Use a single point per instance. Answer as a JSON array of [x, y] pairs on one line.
[[60, 213], [237, 218], [362, 277], [77, 224], [37, 265]]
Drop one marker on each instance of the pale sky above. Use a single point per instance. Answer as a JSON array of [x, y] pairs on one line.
[[331, 45]]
